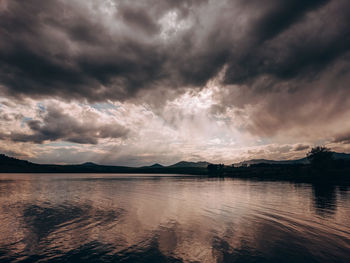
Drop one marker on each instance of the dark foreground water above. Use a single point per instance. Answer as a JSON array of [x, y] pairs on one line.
[[133, 218]]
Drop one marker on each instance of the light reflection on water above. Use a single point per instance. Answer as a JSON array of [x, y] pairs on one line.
[[137, 218]]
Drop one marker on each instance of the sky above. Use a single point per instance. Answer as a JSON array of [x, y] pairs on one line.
[[139, 82]]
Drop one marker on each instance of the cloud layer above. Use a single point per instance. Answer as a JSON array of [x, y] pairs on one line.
[[106, 49], [219, 77]]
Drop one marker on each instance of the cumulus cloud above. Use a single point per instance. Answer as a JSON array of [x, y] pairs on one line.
[[57, 125]]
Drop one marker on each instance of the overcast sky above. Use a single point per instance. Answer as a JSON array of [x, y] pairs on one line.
[[138, 82]]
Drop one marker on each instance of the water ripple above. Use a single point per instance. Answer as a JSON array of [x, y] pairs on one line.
[[89, 218]]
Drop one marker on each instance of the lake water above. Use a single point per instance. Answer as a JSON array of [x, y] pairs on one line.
[[166, 218]]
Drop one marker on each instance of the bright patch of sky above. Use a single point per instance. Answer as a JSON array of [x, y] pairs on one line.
[[171, 24]]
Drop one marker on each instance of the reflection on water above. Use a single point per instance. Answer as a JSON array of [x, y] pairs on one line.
[[128, 218], [325, 198]]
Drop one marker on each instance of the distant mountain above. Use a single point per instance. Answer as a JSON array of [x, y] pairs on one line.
[[257, 161], [13, 165], [344, 156], [89, 164], [184, 164], [6, 160], [336, 156], [156, 165]]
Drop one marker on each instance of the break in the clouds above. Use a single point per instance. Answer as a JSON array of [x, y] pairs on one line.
[[189, 79]]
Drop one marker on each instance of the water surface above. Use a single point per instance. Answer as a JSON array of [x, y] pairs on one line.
[[166, 218]]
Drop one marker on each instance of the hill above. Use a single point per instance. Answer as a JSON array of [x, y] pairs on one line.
[[6, 160], [184, 164], [13, 165], [341, 156], [156, 165], [259, 161], [336, 156]]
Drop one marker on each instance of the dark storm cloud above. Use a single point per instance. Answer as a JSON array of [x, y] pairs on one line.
[[343, 138], [292, 40], [301, 147], [58, 126], [54, 49], [140, 19], [280, 15], [64, 49], [59, 49]]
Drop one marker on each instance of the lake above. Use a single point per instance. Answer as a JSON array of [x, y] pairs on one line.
[[167, 218]]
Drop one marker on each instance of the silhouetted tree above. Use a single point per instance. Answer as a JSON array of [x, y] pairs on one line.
[[320, 157]]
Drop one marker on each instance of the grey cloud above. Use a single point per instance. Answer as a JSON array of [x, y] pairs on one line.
[[140, 19], [60, 48], [5, 117], [342, 138], [281, 15], [40, 59], [59, 126], [301, 147], [287, 61], [302, 49], [303, 108]]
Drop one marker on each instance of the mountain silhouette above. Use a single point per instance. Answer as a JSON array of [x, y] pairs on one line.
[[259, 161], [13, 165], [156, 165], [190, 164], [336, 156], [89, 164]]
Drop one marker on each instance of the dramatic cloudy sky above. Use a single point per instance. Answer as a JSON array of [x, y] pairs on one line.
[[137, 82]]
